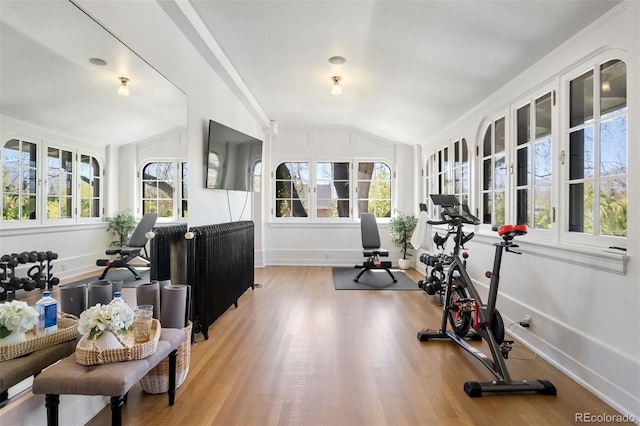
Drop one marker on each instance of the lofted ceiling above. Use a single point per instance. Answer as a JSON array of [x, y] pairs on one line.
[[412, 67]]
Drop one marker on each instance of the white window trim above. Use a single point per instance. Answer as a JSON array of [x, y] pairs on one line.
[[177, 188], [312, 217], [592, 63], [42, 188], [538, 234]]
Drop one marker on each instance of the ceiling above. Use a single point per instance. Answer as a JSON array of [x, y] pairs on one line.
[[412, 67], [46, 78]]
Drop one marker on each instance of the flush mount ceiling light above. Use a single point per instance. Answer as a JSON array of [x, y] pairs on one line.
[[336, 89], [337, 60], [124, 89], [98, 62]]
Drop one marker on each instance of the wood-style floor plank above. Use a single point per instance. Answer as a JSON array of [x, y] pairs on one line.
[[298, 352]]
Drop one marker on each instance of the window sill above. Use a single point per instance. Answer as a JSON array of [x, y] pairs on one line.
[[327, 225], [602, 259], [40, 229]]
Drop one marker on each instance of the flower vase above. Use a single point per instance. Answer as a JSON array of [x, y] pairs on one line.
[[13, 337], [107, 340]]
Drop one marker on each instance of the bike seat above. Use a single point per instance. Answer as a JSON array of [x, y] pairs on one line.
[[512, 230]]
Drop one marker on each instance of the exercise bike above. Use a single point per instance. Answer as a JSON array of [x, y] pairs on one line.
[[463, 311]]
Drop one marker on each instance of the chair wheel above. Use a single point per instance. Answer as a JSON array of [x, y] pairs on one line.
[[355, 279]]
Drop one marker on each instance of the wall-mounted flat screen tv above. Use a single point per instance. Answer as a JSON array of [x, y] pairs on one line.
[[234, 159]]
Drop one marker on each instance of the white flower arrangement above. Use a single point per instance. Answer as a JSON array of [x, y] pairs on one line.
[[16, 316], [117, 317]]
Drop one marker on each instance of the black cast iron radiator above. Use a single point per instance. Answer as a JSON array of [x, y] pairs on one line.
[[169, 254], [220, 269]]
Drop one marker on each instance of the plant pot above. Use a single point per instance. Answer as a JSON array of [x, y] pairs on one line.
[[107, 340], [404, 263], [14, 337]]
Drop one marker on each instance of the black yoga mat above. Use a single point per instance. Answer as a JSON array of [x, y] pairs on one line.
[[371, 280]]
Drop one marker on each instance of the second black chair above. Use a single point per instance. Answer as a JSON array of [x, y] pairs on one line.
[[371, 248], [137, 242]]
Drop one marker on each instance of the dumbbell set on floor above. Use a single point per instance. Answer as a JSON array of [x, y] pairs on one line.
[[40, 275]]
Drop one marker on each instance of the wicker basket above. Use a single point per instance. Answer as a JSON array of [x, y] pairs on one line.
[[90, 353], [157, 379], [67, 330]]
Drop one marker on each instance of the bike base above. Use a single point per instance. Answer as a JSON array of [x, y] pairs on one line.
[[477, 389]]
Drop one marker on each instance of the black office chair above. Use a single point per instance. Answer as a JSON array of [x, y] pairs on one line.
[[137, 242], [371, 247]]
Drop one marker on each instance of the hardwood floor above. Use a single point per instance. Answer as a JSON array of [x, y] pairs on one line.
[[298, 352]]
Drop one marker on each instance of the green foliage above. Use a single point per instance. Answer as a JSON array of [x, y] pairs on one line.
[[401, 228], [121, 226]]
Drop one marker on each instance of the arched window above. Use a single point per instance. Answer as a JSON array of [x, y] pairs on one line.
[[374, 188], [292, 189], [90, 187], [494, 173], [19, 180], [158, 189]]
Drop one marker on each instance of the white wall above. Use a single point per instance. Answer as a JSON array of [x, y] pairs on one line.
[[299, 242], [584, 304]]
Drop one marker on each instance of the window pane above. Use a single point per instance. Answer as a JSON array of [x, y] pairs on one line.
[[613, 207], [149, 206], [456, 153], [465, 150], [158, 188], [149, 189], [542, 162], [292, 189], [613, 146], [523, 167], [522, 208], [29, 208], [499, 207], [53, 208], [10, 206], [581, 207], [165, 208], [332, 189], [581, 153], [457, 181], [486, 175], [374, 189], [613, 86], [581, 94], [487, 207], [66, 207], [500, 136], [524, 124], [542, 207], [543, 116], [501, 172], [486, 146], [465, 179]]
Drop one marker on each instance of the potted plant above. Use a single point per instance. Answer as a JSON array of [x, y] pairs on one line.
[[106, 323], [401, 228], [16, 318], [121, 225]]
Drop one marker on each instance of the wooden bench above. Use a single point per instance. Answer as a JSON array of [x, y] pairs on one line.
[[114, 379]]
